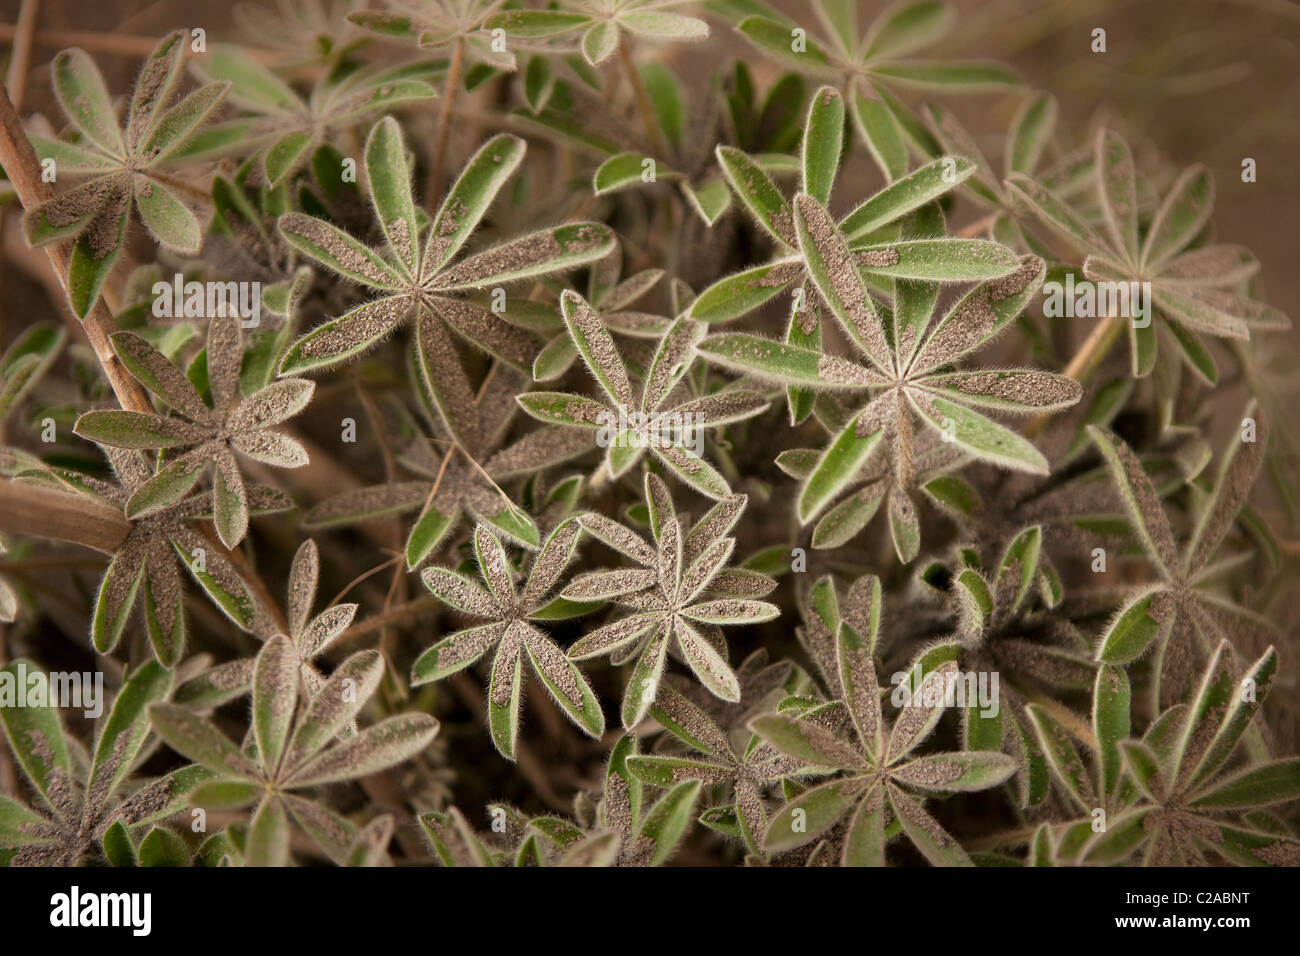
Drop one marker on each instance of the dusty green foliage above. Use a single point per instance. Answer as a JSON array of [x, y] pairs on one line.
[[872, 60], [597, 27], [1195, 285], [510, 610], [438, 24], [291, 127], [120, 166], [89, 807], [207, 430], [292, 746], [678, 598], [661, 416], [518, 399]]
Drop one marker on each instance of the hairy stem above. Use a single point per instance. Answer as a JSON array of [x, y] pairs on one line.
[[19, 161], [639, 93], [451, 86], [27, 508]]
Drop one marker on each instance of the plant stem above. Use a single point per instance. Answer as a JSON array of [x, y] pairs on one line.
[[397, 615], [639, 93], [19, 161], [450, 87], [1094, 348], [978, 227], [27, 508]]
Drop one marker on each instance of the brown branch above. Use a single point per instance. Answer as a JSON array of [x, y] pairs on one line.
[[24, 171], [35, 510]]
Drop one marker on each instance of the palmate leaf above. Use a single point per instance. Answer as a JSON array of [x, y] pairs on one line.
[[425, 282], [124, 168]]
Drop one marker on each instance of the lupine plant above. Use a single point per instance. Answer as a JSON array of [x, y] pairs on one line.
[[532, 507]]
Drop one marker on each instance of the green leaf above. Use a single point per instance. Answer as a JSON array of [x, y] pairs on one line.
[[980, 436], [1067, 766], [962, 77], [734, 295], [539, 82], [79, 88], [567, 685], [195, 738], [351, 334], [176, 126], [275, 697], [390, 190], [823, 806], [935, 843], [822, 142], [95, 253], [540, 253], [667, 100], [1239, 713], [906, 27], [376, 748], [661, 24], [163, 848], [126, 728], [619, 172], [830, 266], [1139, 497], [775, 39], [471, 196], [807, 741], [118, 848], [1117, 190], [938, 260], [842, 461], [504, 689], [758, 193], [956, 772], [908, 193], [1052, 211], [879, 130], [1111, 701], [267, 843], [669, 819], [1275, 782], [338, 251], [1031, 131], [36, 739], [597, 348], [1020, 560], [600, 42], [1136, 627], [1180, 218]]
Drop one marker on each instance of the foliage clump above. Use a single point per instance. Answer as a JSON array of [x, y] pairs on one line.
[[584, 384]]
